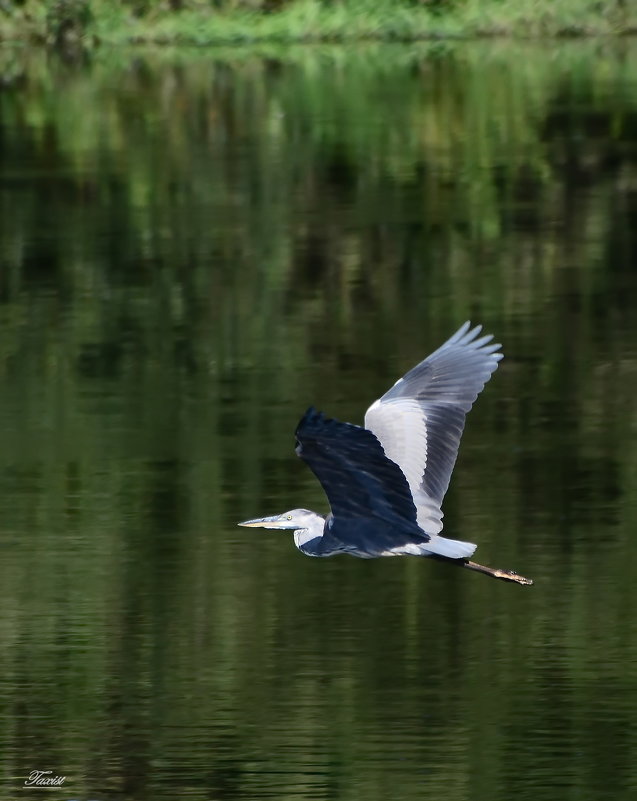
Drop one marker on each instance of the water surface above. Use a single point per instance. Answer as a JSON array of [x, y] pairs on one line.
[[194, 247]]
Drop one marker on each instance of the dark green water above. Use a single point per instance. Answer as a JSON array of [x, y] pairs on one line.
[[194, 247]]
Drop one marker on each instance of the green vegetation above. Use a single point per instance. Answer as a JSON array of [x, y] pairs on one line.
[[200, 22]]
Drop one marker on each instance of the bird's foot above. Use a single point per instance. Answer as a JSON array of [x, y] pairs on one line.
[[511, 575]]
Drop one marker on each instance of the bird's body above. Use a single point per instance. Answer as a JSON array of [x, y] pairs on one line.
[[367, 539], [385, 482]]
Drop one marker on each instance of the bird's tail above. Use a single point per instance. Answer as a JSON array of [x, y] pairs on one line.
[[452, 549]]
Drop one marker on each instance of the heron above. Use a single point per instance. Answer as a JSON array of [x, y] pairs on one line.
[[385, 481]]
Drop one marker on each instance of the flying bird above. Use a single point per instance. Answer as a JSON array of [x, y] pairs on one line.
[[385, 482]]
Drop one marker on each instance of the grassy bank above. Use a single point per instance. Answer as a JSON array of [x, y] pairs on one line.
[[201, 22]]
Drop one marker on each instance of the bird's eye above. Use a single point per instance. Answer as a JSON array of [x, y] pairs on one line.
[[289, 517]]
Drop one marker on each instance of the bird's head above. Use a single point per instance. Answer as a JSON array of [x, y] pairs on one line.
[[292, 520]]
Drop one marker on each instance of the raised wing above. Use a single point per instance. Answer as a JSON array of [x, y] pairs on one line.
[[358, 478], [420, 420]]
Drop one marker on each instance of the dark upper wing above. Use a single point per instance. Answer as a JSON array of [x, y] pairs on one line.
[[358, 479], [420, 420]]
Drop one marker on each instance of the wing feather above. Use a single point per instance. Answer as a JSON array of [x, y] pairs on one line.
[[420, 420], [358, 478]]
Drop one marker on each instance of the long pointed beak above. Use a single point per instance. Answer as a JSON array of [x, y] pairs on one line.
[[275, 521]]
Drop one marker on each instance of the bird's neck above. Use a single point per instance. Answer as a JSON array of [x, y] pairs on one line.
[[308, 541]]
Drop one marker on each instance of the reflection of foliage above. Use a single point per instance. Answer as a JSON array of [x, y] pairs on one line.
[[192, 250]]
